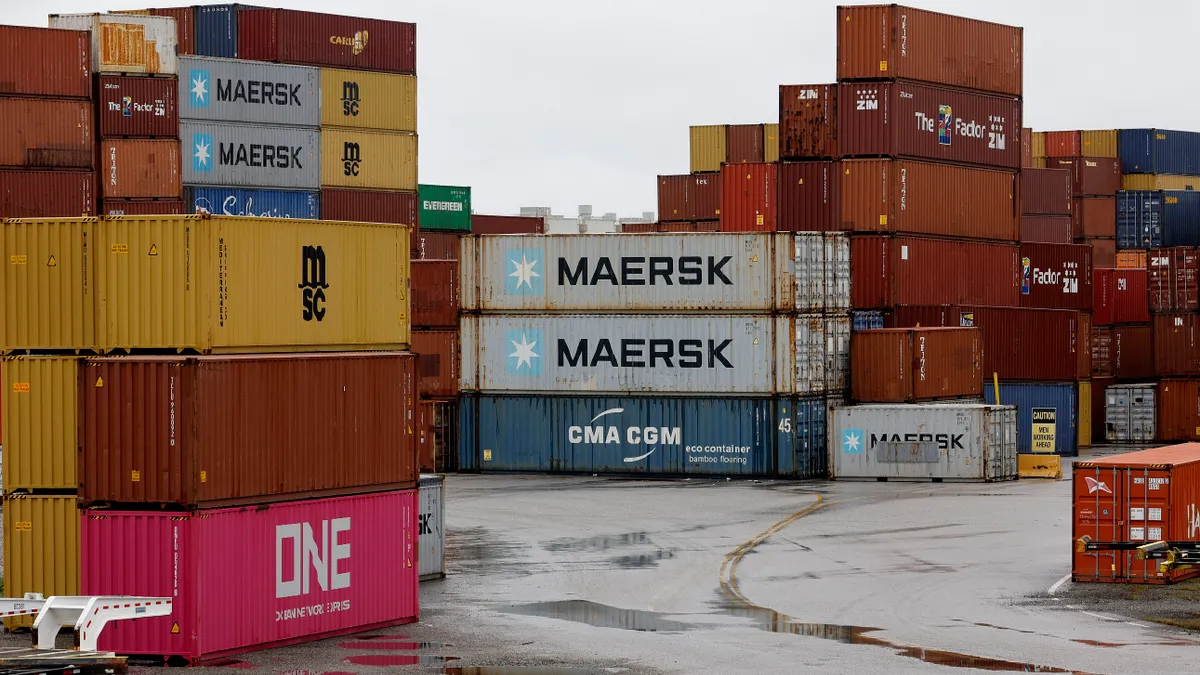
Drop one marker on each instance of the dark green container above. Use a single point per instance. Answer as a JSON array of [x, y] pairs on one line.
[[444, 207]]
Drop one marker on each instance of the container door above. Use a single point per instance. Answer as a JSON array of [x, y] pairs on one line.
[[1097, 514], [1141, 415], [800, 441], [1146, 515]]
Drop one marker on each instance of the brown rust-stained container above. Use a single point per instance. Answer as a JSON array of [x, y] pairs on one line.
[[881, 195], [808, 121], [1133, 352], [704, 197], [369, 206], [1104, 252], [433, 245], [481, 224], [47, 194], [1046, 229], [213, 431], [45, 62], [41, 133], [893, 271], [1178, 409], [1027, 148], [1091, 176], [185, 26], [1095, 217], [434, 293], [1046, 192], [673, 197], [644, 228], [309, 38], [748, 197], [1102, 351], [142, 207], [808, 197], [1056, 276], [1177, 345], [744, 143], [684, 226], [437, 356], [1173, 276], [137, 106], [1062, 144], [890, 41], [901, 365], [140, 168]]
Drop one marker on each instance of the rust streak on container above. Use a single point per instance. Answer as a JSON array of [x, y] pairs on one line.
[[481, 224], [40, 133], [1046, 229], [1046, 192], [137, 106], [748, 197], [901, 365], [434, 296], [892, 271], [808, 121], [437, 356], [1173, 276], [140, 168], [1027, 148], [47, 194], [1102, 361], [369, 206], [809, 197], [45, 62]]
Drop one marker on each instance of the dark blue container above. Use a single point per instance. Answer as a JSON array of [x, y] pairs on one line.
[[800, 443], [260, 203], [866, 320], [468, 446], [1159, 151], [1157, 218], [216, 31], [1041, 397]]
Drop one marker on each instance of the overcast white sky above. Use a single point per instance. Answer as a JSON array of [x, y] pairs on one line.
[[568, 102]]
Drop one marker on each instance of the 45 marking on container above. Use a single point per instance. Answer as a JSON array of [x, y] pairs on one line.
[[785, 425]]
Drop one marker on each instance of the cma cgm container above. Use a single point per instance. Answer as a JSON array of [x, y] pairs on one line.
[[40, 412], [808, 121], [142, 207], [136, 106], [904, 119], [1046, 192], [1048, 415], [127, 43], [435, 293], [1177, 344], [352, 158], [892, 271], [809, 197], [1178, 409], [41, 548], [437, 350], [443, 207], [140, 168], [47, 194], [950, 441], [47, 134], [1119, 296], [481, 224], [365, 100], [248, 92], [292, 36], [1159, 151], [223, 430], [310, 569], [45, 62], [369, 206], [748, 197], [434, 245], [1158, 219], [901, 365], [242, 155], [1095, 176], [259, 203], [1056, 276], [880, 195], [1094, 217], [889, 41], [1047, 229]]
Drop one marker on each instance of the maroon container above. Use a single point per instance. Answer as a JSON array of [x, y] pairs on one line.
[[1172, 279], [1046, 229], [704, 197], [1102, 361], [1091, 176], [42, 133], [1026, 148], [808, 121], [644, 228], [902, 365], [292, 36], [140, 168], [369, 206], [142, 207], [708, 226], [1062, 144], [672, 227], [1056, 276], [1119, 296], [507, 224], [45, 62], [808, 197], [748, 197], [434, 292], [47, 194], [1178, 408], [673, 197], [137, 106], [893, 271], [902, 119], [437, 356], [1046, 192], [1095, 217], [1133, 352], [743, 143], [434, 245], [1104, 252], [1177, 344], [185, 26]]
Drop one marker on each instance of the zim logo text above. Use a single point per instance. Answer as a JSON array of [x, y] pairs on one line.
[[312, 269]]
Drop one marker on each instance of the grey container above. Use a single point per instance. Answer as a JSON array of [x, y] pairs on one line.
[[243, 155], [950, 442], [1129, 413], [431, 531], [249, 92]]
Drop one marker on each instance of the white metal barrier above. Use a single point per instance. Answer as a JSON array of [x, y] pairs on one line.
[[87, 614]]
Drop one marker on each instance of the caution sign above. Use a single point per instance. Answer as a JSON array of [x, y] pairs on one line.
[[175, 628], [153, 250], [51, 262], [1045, 424]]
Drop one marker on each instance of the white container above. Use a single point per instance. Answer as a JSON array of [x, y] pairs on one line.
[[251, 155], [249, 92], [431, 530], [818, 346], [964, 442], [127, 43], [818, 265], [1129, 413]]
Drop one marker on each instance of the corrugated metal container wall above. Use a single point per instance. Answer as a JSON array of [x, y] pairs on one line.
[[1158, 181], [743, 143], [770, 142], [1039, 146], [748, 197], [808, 121], [1099, 144], [902, 119], [140, 168], [1091, 176], [1176, 344], [45, 62], [1099, 408], [1159, 151], [372, 572], [40, 413], [481, 224], [1040, 405], [41, 548], [1046, 229], [1158, 219], [1102, 361], [1095, 217], [891, 271], [434, 294], [369, 206], [127, 43], [216, 30], [681, 226], [1119, 296], [444, 207], [802, 437], [1131, 260], [704, 198], [1027, 148], [48, 306], [819, 266], [1104, 252], [185, 26], [365, 100], [880, 195], [1129, 413], [1056, 276], [249, 92], [1046, 192], [1133, 352], [251, 156], [437, 351], [368, 159], [291, 36], [434, 245], [890, 41], [431, 562], [137, 106], [47, 194], [708, 150], [46, 134], [812, 354], [141, 207], [809, 197], [1178, 405], [215, 431], [902, 365], [1062, 144], [257, 203], [1085, 421], [673, 197]]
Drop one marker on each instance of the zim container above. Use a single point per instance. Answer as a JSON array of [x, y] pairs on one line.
[[369, 206], [243, 155], [1091, 176], [257, 203], [1173, 276], [1046, 192], [808, 121], [444, 207], [47, 194], [481, 224], [1056, 276], [1119, 296], [1047, 229], [140, 168], [366, 100], [136, 106], [748, 197], [248, 92], [352, 158], [891, 271], [437, 352], [127, 43], [45, 62], [40, 400], [902, 365], [46, 134], [41, 548], [292, 36], [435, 293], [1178, 409], [1177, 345], [1048, 415], [809, 197], [309, 569]]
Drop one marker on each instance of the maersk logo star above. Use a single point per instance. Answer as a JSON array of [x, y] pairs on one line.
[[526, 272], [202, 152], [523, 351], [199, 79], [852, 441]]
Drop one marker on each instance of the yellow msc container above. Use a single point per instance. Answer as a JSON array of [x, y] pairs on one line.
[[708, 149], [770, 142], [225, 284], [40, 401], [46, 287], [381, 160], [1155, 181], [365, 100], [1098, 143], [41, 548], [1039, 144], [1085, 414]]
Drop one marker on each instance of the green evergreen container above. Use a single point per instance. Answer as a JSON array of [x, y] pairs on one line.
[[444, 207]]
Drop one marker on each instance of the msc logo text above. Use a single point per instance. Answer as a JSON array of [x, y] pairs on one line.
[[312, 269]]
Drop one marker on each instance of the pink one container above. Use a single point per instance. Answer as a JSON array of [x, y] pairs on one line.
[[254, 577]]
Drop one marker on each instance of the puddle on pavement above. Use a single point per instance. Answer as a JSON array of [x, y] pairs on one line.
[[600, 616], [601, 543], [643, 560], [521, 670], [392, 646], [389, 660]]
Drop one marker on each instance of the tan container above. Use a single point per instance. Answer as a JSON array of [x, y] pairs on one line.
[[365, 100], [708, 148], [368, 159], [1098, 143], [40, 410], [1039, 163], [1039, 144], [1155, 181], [41, 548], [46, 288], [770, 142]]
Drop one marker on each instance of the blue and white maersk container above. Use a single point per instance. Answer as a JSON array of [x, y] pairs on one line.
[[1159, 151], [259, 203], [242, 155], [249, 92], [1055, 405], [1157, 219]]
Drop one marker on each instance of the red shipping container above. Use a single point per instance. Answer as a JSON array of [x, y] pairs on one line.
[[1104, 252], [903, 119], [642, 228], [507, 224], [673, 197], [748, 197], [808, 121], [185, 26], [704, 197], [1026, 148], [369, 206], [1119, 296], [41, 133], [1091, 176], [708, 226], [433, 245], [1102, 356], [901, 196], [223, 430], [437, 355], [1062, 144], [141, 207], [47, 194], [426, 452], [893, 271], [45, 62], [1133, 352], [890, 41], [1046, 192], [1178, 411], [1095, 217], [1172, 278], [349, 563], [1160, 281], [1056, 276], [808, 197], [137, 106], [140, 168], [309, 38], [1177, 345], [674, 227], [743, 143], [901, 365], [1046, 229], [434, 293]]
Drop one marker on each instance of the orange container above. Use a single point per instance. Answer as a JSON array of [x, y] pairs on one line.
[[1178, 411], [140, 169], [1131, 260], [1062, 143], [900, 365]]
